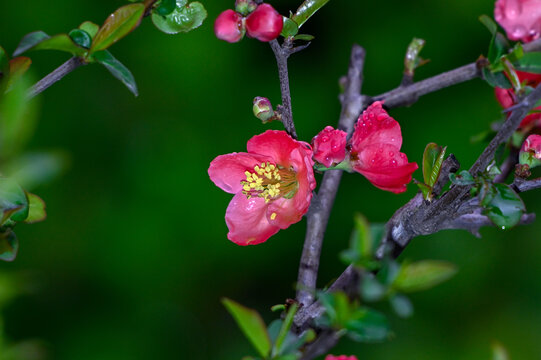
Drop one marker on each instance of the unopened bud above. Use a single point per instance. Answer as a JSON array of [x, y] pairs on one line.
[[264, 23], [530, 154], [263, 109], [245, 6], [229, 26], [329, 146]]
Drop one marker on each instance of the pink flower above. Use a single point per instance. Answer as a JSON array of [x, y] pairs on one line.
[[375, 150], [264, 23], [329, 146], [507, 98], [272, 183], [229, 26], [521, 19], [340, 357], [533, 146]]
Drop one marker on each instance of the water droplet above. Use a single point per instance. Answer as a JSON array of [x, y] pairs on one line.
[[403, 156], [324, 138], [393, 139], [371, 116], [391, 154], [503, 227], [380, 150], [393, 162], [381, 116], [373, 160], [518, 31], [513, 9]]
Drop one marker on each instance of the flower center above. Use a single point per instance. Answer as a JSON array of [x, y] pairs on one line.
[[270, 182]]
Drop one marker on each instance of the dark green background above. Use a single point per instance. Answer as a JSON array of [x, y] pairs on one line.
[[133, 258]]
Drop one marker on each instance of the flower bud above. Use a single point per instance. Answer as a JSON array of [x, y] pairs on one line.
[[245, 7], [265, 23], [229, 26], [530, 154], [263, 109], [329, 146]]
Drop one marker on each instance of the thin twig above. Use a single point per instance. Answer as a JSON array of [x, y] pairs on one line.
[[55, 76], [320, 208]]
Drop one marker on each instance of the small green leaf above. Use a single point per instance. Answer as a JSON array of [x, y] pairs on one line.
[[251, 324], [290, 28], [367, 325], [284, 330], [13, 201], [9, 245], [119, 24], [489, 23], [462, 179], [165, 7], [29, 41], [306, 10], [304, 37], [423, 275], [529, 62], [402, 306], [90, 28], [503, 206], [371, 288], [425, 189], [432, 160], [498, 47], [496, 79], [116, 68], [183, 19], [36, 211], [81, 38]]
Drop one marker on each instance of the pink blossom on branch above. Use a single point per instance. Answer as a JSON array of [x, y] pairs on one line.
[[340, 357], [533, 145], [329, 146], [229, 26], [272, 183], [375, 150], [264, 23], [521, 19]]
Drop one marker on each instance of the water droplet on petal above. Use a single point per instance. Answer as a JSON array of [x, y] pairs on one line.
[[381, 116], [513, 8], [393, 139], [324, 138], [391, 154], [518, 31], [393, 162], [373, 160]]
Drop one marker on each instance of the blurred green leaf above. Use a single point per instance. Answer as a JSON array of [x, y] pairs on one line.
[[183, 19], [17, 68], [13, 201], [401, 305], [284, 330], [251, 324], [36, 208], [90, 28], [489, 23], [499, 352], [496, 79], [117, 69], [4, 70], [119, 24], [165, 7], [371, 288], [304, 37], [432, 160], [503, 205], [9, 245], [290, 27], [529, 62], [306, 10], [33, 169], [81, 38], [423, 275], [41, 41], [367, 325]]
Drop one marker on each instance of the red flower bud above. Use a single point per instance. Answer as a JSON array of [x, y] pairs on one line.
[[265, 23], [329, 146], [530, 154], [229, 26], [507, 98]]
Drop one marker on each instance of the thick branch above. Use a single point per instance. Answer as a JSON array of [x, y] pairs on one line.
[[521, 185], [55, 76], [281, 54], [322, 203]]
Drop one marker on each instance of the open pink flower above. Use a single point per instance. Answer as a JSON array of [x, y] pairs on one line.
[[329, 146], [272, 183], [340, 357], [375, 150], [533, 146], [521, 19], [507, 98]]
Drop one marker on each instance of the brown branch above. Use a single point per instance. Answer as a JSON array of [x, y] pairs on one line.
[[321, 205], [55, 76]]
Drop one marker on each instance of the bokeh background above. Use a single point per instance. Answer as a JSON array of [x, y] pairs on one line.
[[133, 258]]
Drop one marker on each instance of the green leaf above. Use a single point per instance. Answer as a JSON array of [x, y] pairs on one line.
[[304, 37], [290, 28], [367, 325], [529, 62], [90, 28], [498, 47], [116, 68], [4, 70], [284, 330], [165, 7], [489, 23], [371, 288], [13, 201], [81, 38], [462, 179], [40, 41], [36, 211], [432, 161], [496, 79], [183, 19], [503, 206], [425, 189], [9, 245], [423, 275], [306, 10], [17, 68], [251, 324], [119, 24], [401, 305], [33, 169], [29, 41], [499, 352]]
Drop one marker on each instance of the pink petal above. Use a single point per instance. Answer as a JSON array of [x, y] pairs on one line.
[[227, 171], [278, 145], [247, 220], [375, 126]]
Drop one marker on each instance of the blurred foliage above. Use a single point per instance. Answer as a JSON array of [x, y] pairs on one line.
[[133, 255]]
